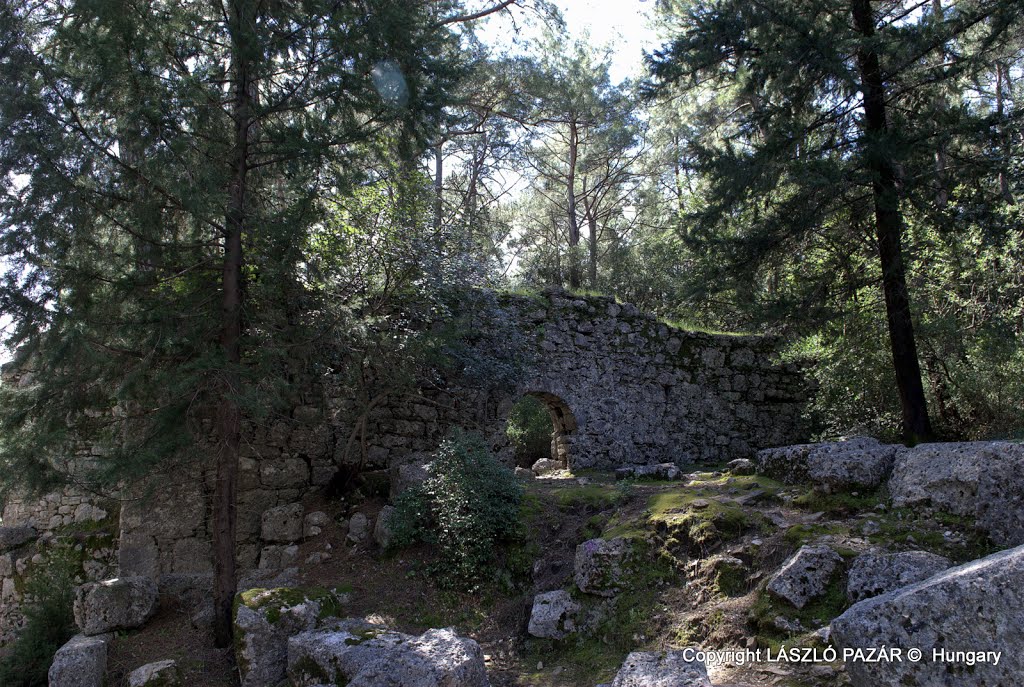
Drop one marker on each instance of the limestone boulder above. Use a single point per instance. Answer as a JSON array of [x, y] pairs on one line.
[[979, 480], [871, 574], [975, 607], [264, 619], [805, 576], [358, 654], [410, 474], [999, 511], [81, 662], [314, 523], [15, 536], [123, 603], [742, 466], [358, 528], [282, 524], [553, 615], [159, 674], [382, 527], [545, 466], [661, 669], [858, 462], [838, 467], [601, 565]]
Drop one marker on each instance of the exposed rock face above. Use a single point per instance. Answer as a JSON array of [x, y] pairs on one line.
[[382, 528], [661, 669], [264, 620], [978, 606], [600, 565], [974, 479], [82, 662], [553, 615], [13, 537], [122, 603], [409, 474], [871, 575], [806, 575], [282, 524], [358, 654], [860, 462], [159, 674]]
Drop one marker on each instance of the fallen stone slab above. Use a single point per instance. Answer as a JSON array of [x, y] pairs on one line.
[[871, 574], [553, 615], [158, 674], [858, 462], [123, 603], [661, 669], [546, 466], [959, 619], [805, 576], [81, 662], [382, 527], [978, 479], [356, 653]]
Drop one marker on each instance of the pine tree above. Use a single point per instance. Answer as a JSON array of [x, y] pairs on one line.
[[814, 136], [165, 167]]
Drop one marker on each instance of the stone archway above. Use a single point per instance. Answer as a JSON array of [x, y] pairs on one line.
[[563, 423]]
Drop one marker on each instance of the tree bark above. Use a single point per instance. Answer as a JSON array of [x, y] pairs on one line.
[[438, 185], [889, 233], [575, 278], [229, 416], [1004, 140]]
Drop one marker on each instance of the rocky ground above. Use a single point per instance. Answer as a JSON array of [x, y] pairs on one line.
[[614, 574]]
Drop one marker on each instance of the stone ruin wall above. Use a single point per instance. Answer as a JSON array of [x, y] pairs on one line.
[[622, 387]]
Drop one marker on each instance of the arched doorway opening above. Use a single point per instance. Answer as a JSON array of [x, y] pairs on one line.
[[540, 425]]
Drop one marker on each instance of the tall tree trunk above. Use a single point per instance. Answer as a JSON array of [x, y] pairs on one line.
[[575, 278], [1002, 76], [438, 185], [941, 106], [229, 416], [889, 233]]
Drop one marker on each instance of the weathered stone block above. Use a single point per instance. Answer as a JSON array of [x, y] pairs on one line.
[[975, 607], [81, 662], [871, 575], [601, 565], [553, 615], [661, 669], [122, 603], [805, 576]]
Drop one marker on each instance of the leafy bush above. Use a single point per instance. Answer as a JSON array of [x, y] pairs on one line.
[[529, 430], [466, 507], [49, 621]]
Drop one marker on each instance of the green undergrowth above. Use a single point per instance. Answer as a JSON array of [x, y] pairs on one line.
[[590, 497], [841, 504]]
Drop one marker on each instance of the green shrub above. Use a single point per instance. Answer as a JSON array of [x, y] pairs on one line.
[[49, 620], [529, 430], [466, 507]]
